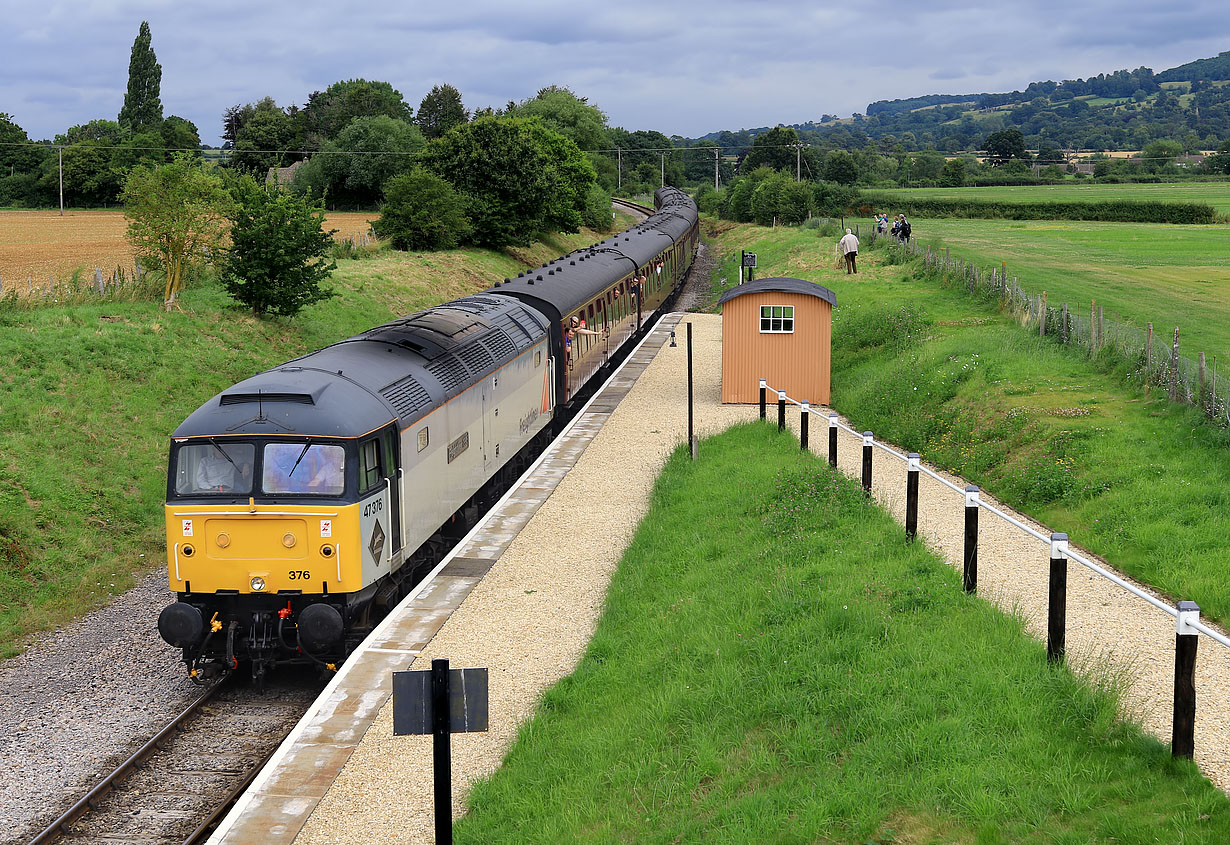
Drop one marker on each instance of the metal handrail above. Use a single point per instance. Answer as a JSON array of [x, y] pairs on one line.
[[1079, 558]]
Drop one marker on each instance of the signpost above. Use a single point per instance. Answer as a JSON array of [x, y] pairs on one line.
[[440, 702], [747, 261]]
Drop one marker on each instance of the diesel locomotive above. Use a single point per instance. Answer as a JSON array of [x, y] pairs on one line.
[[304, 502]]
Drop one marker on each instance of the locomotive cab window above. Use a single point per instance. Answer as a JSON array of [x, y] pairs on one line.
[[369, 466], [214, 468], [312, 468], [776, 319]]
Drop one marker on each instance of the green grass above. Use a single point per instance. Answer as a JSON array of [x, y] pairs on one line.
[[1139, 273], [1068, 440], [1216, 194], [92, 392], [776, 664]]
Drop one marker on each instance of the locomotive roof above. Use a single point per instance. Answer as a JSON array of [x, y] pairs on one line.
[[567, 283], [402, 369]]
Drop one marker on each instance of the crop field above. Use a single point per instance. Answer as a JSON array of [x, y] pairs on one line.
[[1138, 272], [1216, 194], [38, 244]]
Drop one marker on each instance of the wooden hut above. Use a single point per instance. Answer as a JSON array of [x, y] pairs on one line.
[[779, 330]]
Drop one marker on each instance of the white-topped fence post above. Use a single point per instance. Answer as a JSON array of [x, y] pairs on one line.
[[969, 573], [804, 412], [1183, 730], [1057, 606], [833, 440], [764, 386], [912, 471], [781, 410], [868, 440]]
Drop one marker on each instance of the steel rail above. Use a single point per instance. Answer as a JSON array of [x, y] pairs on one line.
[[85, 804]]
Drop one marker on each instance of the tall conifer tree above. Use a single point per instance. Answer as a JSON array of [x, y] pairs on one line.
[[142, 105]]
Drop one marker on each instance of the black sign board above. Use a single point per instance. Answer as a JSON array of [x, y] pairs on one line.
[[749, 259], [413, 711]]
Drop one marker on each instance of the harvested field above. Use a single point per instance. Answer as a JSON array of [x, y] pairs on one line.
[[38, 244]]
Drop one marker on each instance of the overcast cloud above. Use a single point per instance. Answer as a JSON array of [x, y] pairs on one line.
[[685, 68]]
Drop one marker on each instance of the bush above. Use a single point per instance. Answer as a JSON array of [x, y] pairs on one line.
[[597, 211], [279, 251], [421, 211], [1109, 211]]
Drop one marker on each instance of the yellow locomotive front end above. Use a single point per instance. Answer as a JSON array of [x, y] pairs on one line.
[[268, 551]]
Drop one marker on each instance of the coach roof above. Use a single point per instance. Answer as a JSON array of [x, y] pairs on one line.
[[783, 285]]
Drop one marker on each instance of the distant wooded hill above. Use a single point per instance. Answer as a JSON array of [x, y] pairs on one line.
[[1123, 110]]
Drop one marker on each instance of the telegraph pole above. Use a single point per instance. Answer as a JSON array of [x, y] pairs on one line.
[[61, 149], [715, 168], [798, 162], [662, 169], [619, 168]]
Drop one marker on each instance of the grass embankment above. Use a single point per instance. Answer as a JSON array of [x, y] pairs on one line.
[[1068, 440], [1139, 273], [91, 394], [1216, 194], [1120, 211], [776, 664]]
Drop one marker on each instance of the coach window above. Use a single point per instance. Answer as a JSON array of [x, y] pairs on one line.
[[776, 319], [316, 468], [369, 465]]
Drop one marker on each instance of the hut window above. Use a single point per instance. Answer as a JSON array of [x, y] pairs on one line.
[[776, 319]]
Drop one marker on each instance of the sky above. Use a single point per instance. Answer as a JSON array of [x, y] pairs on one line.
[[683, 68]]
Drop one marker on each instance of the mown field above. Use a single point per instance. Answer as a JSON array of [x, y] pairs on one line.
[[90, 394], [1144, 483], [1139, 273], [775, 663], [36, 244], [1216, 194]]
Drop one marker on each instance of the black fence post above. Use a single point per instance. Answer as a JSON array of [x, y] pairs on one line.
[[764, 386], [833, 440], [442, 755], [1057, 607], [804, 411], [912, 469], [1183, 732], [781, 410], [969, 578], [868, 439]]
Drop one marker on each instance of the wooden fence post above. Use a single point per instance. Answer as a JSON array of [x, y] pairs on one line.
[[1148, 353], [1057, 607], [833, 440], [1200, 379], [1183, 725], [969, 574], [868, 439], [1101, 329], [1063, 326], [1174, 367], [913, 468], [1093, 326], [1042, 317]]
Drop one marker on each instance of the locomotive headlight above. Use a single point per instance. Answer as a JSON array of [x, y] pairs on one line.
[[258, 584], [289, 540], [224, 540]]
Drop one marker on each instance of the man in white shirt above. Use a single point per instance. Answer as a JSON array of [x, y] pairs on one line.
[[849, 248]]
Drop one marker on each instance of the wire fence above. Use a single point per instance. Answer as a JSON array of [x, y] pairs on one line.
[[1185, 613], [1155, 355]]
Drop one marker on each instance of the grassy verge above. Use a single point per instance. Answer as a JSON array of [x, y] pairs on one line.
[[776, 664], [1139, 273], [1064, 438], [1216, 194], [92, 392]]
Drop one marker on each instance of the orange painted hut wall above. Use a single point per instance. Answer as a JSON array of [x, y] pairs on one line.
[[798, 363]]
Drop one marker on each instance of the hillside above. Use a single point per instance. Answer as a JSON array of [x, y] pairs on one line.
[[1121, 110]]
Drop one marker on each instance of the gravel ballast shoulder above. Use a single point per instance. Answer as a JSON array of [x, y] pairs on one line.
[[530, 618], [79, 700]]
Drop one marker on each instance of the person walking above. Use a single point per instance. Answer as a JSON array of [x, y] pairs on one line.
[[849, 249]]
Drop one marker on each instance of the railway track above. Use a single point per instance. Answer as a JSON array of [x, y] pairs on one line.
[[178, 785], [643, 211]]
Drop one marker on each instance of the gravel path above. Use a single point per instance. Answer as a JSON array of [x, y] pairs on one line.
[[79, 700], [531, 617]]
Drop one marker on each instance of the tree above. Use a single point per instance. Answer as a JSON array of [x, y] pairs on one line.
[[1005, 145], [264, 139], [421, 211], [522, 179], [777, 148], [953, 175], [1156, 155], [568, 114], [176, 215], [385, 147], [327, 112], [279, 251], [179, 134], [839, 167], [17, 154], [440, 111], [142, 107]]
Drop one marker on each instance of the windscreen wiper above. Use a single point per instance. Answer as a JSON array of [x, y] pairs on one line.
[[214, 443], [306, 446]]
